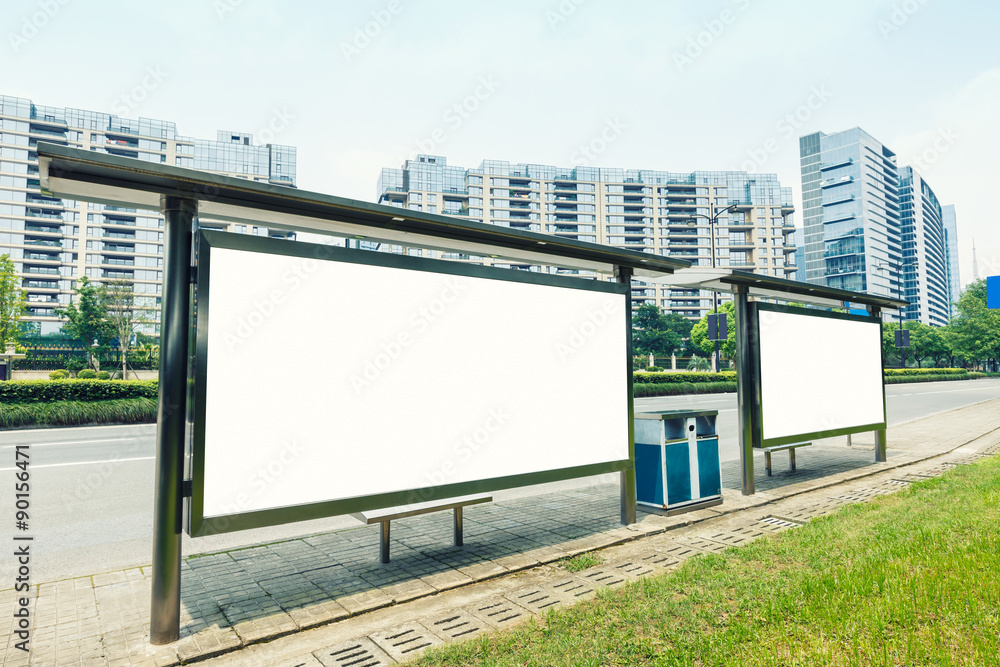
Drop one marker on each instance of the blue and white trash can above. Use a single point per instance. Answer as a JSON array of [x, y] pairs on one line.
[[677, 466]]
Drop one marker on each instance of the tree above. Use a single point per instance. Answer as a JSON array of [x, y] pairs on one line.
[[977, 328], [699, 333], [926, 342], [88, 316], [124, 311], [12, 303], [652, 332]]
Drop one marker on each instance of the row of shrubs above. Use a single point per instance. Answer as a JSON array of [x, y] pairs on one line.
[[47, 391], [640, 389], [923, 371], [932, 377], [688, 378], [70, 413], [85, 374]]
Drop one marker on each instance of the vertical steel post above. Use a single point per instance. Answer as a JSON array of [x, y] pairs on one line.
[[745, 387], [881, 438], [459, 529], [178, 214], [624, 276]]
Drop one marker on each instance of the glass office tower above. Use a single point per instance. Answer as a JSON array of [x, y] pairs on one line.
[[925, 255], [55, 241], [850, 209], [657, 212], [951, 248]]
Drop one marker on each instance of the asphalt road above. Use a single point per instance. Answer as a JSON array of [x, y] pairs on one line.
[[92, 487]]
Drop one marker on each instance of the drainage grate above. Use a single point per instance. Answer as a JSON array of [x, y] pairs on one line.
[[498, 612], [862, 495], [704, 545], [457, 625], [361, 652], [681, 551], [631, 569], [736, 536], [535, 599], [774, 524], [604, 577], [806, 512], [573, 587], [897, 482], [405, 641], [660, 558]]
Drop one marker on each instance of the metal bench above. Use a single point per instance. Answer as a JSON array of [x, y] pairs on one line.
[[791, 454], [385, 515]]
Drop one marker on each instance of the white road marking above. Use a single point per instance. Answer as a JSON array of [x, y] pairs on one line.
[[82, 463], [68, 442]]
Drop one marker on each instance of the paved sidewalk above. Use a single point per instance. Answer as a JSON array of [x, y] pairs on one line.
[[356, 611]]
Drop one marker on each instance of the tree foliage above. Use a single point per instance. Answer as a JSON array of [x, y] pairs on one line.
[[87, 315], [699, 333], [655, 333], [12, 303], [977, 328]]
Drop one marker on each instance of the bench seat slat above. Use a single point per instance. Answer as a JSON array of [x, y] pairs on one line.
[[779, 448], [403, 511]]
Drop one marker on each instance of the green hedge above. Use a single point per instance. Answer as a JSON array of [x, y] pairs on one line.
[[684, 378], [679, 388], [69, 413], [924, 371], [46, 391], [927, 377]]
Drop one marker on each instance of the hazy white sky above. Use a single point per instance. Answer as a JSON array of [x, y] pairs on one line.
[[675, 85]]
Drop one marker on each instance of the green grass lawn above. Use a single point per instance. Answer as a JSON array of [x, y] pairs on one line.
[[907, 579]]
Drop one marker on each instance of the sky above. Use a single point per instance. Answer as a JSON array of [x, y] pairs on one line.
[[673, 85]]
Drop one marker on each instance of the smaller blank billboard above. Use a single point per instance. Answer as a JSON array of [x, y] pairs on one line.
[[820, 374]]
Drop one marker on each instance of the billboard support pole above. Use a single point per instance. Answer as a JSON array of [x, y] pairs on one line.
[[624, 276], [746, 387], [178, 213], [881, 439]]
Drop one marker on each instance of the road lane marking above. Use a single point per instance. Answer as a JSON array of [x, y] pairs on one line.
[[68, 442], [84, 463]]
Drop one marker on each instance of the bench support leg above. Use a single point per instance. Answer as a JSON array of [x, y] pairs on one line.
[[459, 541], [791, 458], [383, 544], [767, 463]]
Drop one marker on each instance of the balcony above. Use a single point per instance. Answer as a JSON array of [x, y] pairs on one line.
[[43, 242], [40, 257], [43, 201], [42, 230], [41, 270], [36, 284]]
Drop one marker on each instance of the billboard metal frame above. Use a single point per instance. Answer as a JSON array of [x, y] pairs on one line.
[[759, 440], [200, 525]]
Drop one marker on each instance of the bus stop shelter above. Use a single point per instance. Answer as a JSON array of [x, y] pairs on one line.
[[184, 195]]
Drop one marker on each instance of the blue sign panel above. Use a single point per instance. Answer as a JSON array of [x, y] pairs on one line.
[[993, 292]]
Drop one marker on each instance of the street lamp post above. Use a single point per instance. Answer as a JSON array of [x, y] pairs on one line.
[[711, 234], [899, 289]]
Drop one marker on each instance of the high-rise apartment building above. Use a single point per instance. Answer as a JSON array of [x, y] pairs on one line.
[[871, 226], [743, 220], [54, 241], [850, 212], [925, 255], [951, 244]]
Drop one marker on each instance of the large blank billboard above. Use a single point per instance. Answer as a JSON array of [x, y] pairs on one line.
[[820, 373], [331, 380]]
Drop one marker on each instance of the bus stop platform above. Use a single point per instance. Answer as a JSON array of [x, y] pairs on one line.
[[324, 598]]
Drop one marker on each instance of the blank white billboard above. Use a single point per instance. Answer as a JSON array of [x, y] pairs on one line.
[[818, 374], [331, 380]]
